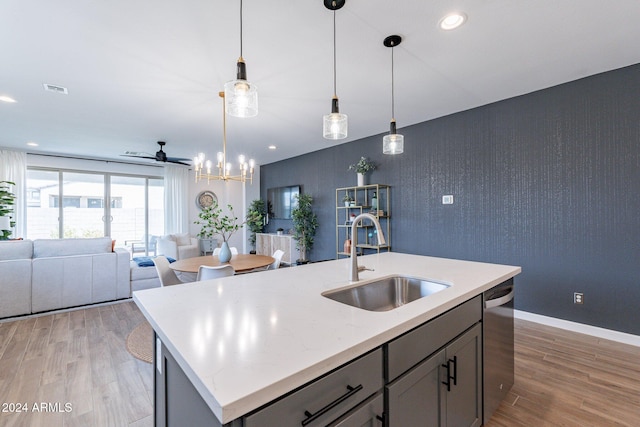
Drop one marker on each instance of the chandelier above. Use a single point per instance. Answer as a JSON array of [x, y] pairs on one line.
[[203, 167]]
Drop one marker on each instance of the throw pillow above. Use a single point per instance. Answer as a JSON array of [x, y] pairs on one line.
[[147, 261], [182, 239]]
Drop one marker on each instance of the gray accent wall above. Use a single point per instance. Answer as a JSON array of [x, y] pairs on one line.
[[549, 181]]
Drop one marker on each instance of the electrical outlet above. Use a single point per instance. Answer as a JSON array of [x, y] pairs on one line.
[[578, 298], [447, 200]]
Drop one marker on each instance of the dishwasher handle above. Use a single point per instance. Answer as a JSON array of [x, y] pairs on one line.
[[497, 302]]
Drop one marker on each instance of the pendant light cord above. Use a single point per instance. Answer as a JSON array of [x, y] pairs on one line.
[[393, 113], [240, 28], [335, 91]]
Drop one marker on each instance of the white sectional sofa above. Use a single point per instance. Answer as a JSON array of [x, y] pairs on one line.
[[15, 277], [43, 274]]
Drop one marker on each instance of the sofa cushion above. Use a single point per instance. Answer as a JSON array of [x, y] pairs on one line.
[[16, 249], [44, 248], [140, 273], [181, 239]]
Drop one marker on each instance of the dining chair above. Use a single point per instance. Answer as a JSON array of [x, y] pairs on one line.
[[166, 275], [233, 249], [206, 272], [278, 257]]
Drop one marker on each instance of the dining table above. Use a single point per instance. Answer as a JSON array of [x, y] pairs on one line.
[[240, 262]]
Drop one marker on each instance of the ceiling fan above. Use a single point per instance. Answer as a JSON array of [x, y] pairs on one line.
[[160, 156]]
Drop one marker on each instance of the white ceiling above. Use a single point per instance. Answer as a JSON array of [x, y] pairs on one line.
[[148, 70]]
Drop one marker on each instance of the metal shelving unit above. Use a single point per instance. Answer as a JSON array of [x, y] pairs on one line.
[[363, 201]]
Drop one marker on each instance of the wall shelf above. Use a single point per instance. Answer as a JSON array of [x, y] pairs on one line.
[[363, 198]]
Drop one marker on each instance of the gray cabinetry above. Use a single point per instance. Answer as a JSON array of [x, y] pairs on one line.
[[463, 394], [435, 373], [414, 398], [177, 402], [369, 413], [325, 399]]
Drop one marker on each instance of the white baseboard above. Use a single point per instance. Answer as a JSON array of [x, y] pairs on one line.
[[595, 331]]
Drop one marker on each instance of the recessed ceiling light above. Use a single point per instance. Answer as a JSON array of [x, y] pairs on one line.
[[453, 21], [7, 98], [272, 147], [32, 144], [54, 88]]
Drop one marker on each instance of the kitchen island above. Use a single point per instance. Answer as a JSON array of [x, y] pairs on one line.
[[246, 340]]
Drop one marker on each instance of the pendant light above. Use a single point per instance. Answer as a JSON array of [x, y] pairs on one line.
[[334, 124], [394, 142], [241, 96]]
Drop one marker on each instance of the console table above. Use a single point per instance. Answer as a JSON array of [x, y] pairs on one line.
[[268, 243]]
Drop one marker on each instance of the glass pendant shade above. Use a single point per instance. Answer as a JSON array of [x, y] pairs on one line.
[[335, 125], [241, 96], [393, 143]]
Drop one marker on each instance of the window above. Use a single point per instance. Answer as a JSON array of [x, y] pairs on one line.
[[134, 216]]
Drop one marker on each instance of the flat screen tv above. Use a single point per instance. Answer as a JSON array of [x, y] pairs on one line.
[[283, 200]]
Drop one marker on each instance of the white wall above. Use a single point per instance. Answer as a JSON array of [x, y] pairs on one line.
[[231, 193]]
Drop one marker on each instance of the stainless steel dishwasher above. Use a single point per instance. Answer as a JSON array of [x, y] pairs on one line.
[[497, 345]]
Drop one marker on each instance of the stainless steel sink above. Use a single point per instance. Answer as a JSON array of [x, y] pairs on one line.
[[386, 294]]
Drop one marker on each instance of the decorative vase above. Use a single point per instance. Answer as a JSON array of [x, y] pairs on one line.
[[360, 179], [347, 246], [225, 253]]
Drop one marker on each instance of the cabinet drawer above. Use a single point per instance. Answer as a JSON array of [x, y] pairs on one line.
[[409, 349], [368, 413], [325, 399]]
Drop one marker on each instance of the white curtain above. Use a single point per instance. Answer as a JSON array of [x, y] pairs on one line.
[[13, 167], [176, 200]]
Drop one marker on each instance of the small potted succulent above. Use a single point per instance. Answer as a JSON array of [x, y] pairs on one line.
[[347, 199]]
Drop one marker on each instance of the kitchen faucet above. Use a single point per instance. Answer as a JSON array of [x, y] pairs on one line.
[[354, 269]]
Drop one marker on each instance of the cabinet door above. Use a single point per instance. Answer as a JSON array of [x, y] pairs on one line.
[[464, 399], [368, 414], [415, 399], [263, 244]]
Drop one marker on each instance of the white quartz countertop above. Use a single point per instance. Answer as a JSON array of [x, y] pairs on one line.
[[248, 339]]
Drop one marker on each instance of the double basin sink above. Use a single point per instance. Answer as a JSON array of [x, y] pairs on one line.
[[387, 293]]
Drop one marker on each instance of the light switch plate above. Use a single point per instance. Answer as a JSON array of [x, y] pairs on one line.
[[447, 200]]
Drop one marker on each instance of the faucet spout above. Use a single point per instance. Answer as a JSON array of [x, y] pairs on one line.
[[353, 269]]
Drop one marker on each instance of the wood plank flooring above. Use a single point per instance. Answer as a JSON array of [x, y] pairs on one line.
[[79, 357], [568, 379]]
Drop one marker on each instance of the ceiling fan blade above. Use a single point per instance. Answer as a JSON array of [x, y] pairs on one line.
[[172, 160], [138, 157], [178, 159]]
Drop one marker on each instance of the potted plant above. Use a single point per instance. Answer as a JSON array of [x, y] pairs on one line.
[[347, 199], [256, 215], [305, 223], [214, 223], [363, 167], [7, 200]]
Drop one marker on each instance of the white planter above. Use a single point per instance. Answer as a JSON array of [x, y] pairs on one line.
[[5, 223], [360, 179]]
